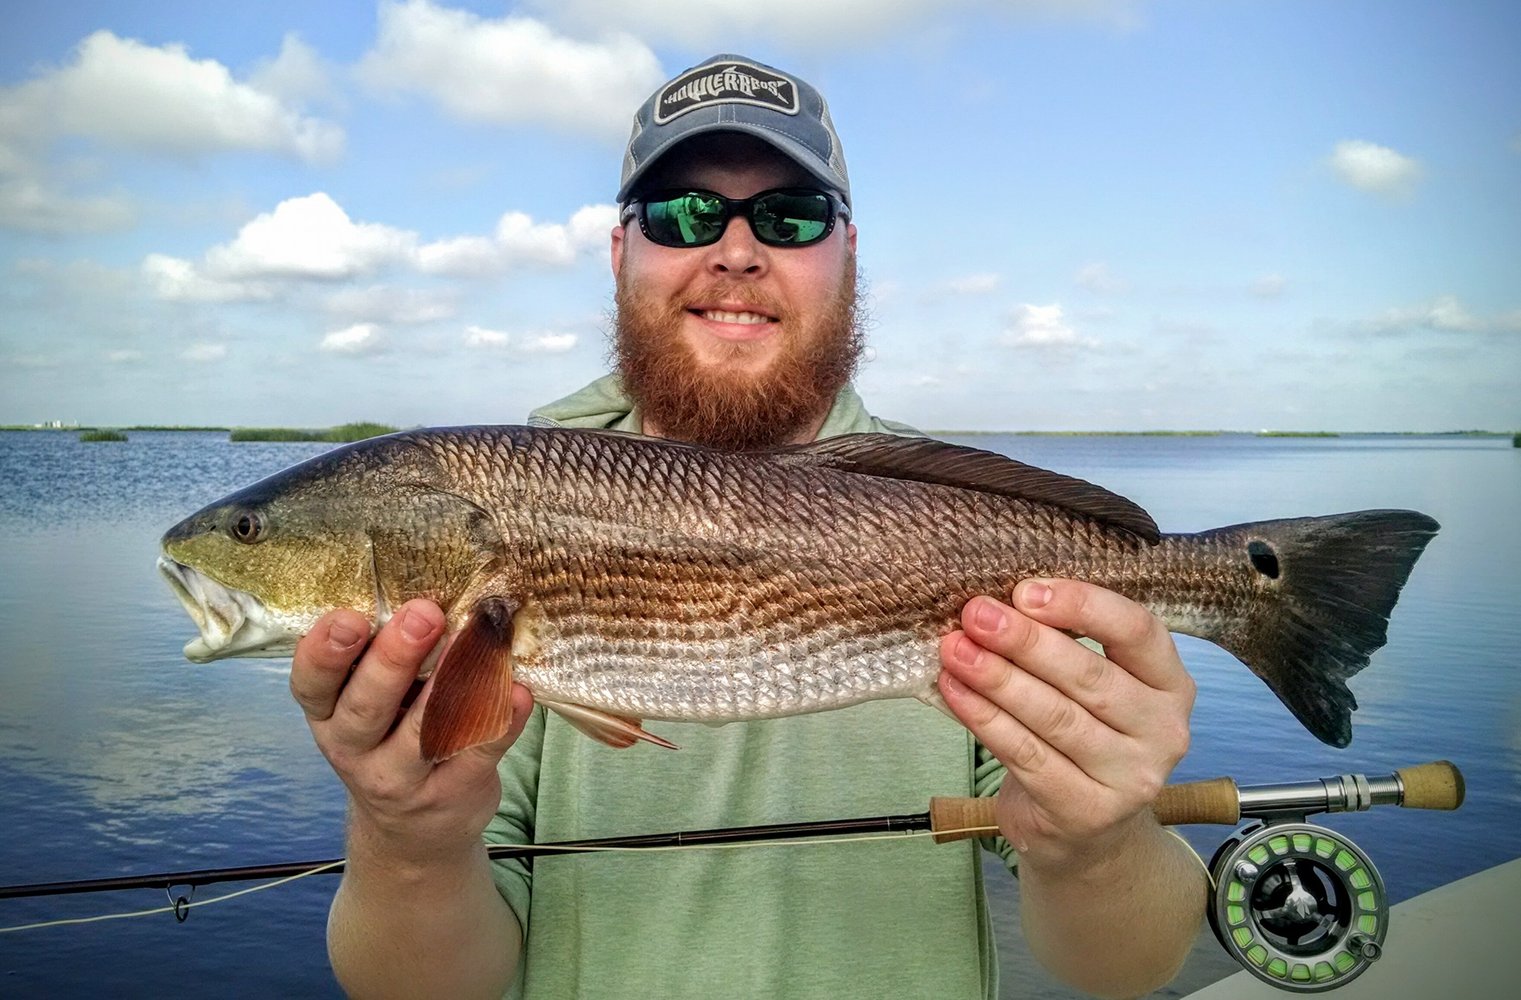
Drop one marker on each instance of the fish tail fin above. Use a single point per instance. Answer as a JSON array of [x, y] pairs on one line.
[[1330, 585]]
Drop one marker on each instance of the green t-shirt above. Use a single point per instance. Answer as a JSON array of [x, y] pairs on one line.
[[889, 918]]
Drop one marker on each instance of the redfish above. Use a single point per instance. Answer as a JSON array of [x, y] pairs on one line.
[[624, 578]]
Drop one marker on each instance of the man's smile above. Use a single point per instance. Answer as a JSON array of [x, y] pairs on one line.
[[734, 321]]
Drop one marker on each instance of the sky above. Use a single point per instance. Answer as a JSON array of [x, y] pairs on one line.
[[1073, 214]]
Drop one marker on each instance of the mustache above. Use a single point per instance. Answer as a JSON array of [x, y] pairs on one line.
[[731, 292]]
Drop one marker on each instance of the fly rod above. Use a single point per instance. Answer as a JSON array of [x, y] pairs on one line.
[[1438, 785]]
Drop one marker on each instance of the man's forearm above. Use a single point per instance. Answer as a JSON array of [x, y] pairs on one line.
[[408, 931], [1120, 927]]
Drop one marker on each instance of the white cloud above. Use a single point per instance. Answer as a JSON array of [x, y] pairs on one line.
[[804, 23], [1444, 314], [357, 340], [1043, 327], [1374, 168], [1098, 279], [510, 70], [204, 353], [549, 343], [36, 204], [124, 357], [982, 283], [298, 75], [481, 338], [519, 241], [174, 279], [403, 306], [1269, 286], [120, 91], [309, 237]]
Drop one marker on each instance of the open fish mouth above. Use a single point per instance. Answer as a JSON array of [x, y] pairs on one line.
[[231, 622]]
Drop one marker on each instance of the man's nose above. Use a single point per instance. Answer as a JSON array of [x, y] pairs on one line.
[[738, 251]]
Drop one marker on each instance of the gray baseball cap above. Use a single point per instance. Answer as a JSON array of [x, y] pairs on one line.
[[730, 93]]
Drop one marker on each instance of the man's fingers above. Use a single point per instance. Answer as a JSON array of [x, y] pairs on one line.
[[1055, 672], [372, 699], [323, 659], [1033, 761], [1131, 636]]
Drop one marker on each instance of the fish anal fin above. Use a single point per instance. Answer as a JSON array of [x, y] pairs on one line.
[[617, 731], [471, 700], [934, 700]]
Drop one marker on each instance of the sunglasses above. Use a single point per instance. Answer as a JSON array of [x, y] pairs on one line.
[[783, 217]]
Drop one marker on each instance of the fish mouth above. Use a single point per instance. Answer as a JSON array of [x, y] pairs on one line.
[[231, 622]]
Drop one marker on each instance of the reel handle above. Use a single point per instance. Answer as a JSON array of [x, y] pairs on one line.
[[1437, 785]]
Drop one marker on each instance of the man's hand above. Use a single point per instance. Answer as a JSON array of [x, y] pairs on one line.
[[1088, 739], [404, 809], [417, 913]]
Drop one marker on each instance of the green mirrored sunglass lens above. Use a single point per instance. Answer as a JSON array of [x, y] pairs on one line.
[[792, 218], [689, 219]]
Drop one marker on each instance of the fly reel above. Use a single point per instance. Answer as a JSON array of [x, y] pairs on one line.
[[1298, 905]]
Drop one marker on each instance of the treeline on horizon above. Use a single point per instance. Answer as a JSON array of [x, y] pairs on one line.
[[360, 430], [342, 434]]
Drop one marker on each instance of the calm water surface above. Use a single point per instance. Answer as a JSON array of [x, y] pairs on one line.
[[117, 756]]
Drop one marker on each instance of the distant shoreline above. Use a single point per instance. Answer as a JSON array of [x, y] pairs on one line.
[[327, 434], [1270, 434]]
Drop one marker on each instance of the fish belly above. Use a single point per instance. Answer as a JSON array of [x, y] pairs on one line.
[[729, 680]]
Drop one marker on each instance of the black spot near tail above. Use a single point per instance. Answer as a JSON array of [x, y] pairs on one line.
[[1263, 558]]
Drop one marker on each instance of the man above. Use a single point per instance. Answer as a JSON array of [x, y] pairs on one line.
[[736, 329]]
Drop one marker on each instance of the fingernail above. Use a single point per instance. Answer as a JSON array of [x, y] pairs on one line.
[[341, 636], [952, 684], [415, 626], [1035, 595], [988, 615], [966, 651]]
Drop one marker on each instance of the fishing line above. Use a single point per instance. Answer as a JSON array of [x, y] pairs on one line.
[[174, 908], [545, 848]]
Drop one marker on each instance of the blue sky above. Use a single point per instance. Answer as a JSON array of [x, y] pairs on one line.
[[1091, 214]]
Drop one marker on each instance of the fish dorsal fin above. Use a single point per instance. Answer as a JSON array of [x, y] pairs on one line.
[[927, 460]]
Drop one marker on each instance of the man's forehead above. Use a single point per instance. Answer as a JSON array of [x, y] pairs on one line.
[[699, 161]]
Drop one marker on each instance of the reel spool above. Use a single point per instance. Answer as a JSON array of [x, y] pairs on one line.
[[1299, 906]]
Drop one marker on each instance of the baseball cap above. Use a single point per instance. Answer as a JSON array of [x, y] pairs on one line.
[[730, 93]]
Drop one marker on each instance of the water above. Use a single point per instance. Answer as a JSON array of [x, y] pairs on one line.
[[119, 757]]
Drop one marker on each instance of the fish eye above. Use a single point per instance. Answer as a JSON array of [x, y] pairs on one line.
[[248, 528]]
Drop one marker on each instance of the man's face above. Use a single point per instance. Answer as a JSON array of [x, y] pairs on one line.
[[737, 344]]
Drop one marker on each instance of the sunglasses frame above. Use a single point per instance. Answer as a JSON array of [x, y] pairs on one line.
[[734, 207]]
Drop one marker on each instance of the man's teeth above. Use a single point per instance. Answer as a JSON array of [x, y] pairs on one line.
[[720, 316]]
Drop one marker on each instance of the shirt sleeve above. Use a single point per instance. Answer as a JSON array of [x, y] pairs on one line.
[[514, 819], [987, 778]]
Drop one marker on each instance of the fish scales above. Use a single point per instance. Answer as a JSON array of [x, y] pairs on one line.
[[655, 580], [701, 599]]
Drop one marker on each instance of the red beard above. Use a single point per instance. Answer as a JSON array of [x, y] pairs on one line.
[[718, 407]]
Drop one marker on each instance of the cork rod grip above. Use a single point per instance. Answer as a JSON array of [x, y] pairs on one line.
[[957, 819], [1438, 785], [1211, 801], [1214, 800]]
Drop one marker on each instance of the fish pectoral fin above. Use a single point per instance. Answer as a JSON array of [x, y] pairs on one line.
[[471, 700], [617, 731]]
